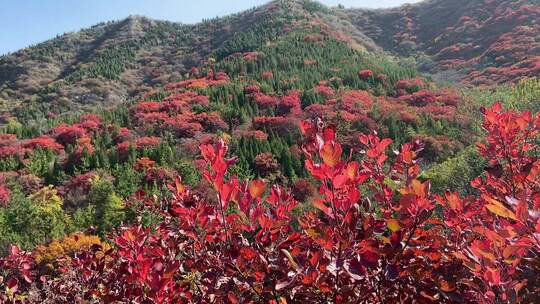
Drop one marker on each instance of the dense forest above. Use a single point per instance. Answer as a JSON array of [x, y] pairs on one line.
[[274, 156]]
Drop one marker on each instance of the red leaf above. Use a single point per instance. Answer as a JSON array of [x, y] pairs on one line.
[[331, 153]]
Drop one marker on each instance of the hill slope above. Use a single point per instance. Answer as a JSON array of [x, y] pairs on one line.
[[486, 41], [113, 61]]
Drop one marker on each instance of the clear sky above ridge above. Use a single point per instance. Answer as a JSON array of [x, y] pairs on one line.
[[26, 22]]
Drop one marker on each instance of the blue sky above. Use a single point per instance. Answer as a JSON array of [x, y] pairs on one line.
[[26, 22]]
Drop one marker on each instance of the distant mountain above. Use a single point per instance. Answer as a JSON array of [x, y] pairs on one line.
[[474, 41], [487, 41]]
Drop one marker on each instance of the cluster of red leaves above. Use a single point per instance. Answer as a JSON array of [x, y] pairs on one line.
[[211, 79], [373, 235], [175, 113], [497, 234], [351, 106], [365, 74], [42, 142], [289, 104], [257, 134], [80, 183], [325, 90], [267, 75], [141, 143], [425, 97], [69, 134], [279, 124], [410, 85], [5, 194], [18, 267], [10, 146]]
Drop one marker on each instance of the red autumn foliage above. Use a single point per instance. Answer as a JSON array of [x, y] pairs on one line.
[[257, 134], [252, 89], [365, 74], [211, 79], [139, 144], [375, 234], [426, 97], [68, 134], [328, 92], [410, 85], [5, 194], [124, 134], [303, 189], [211, 121], [42, 142], [264, 100], [281, 125], [290, 104], [183, 127], [10, 146], [266, 164], [267, 75]]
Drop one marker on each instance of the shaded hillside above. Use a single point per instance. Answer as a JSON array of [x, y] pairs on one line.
[[487, 41]]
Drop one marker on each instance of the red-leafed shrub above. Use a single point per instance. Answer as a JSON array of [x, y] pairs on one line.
[[68, 134], [303, 189], [182, 127], [266, 164], [357, 98], [411, 85], [10, 146], [92, 117], [281, 125], [123, 134], [365, 74], [146, 107], [200, 83], [260, 135], [211, 121], [5, 194], [250, 56], [327, 91], [147, 142], [289, 104], [139, 144], [267, 75], [79, 183], [420, 98], [264, 100], [426, 97], [252, 89], [160, 175], [150, 119], [42, 142]]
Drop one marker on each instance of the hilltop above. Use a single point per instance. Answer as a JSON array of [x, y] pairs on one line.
[[456, 41]]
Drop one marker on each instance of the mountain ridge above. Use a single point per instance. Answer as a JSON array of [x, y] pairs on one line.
[[114, 61]]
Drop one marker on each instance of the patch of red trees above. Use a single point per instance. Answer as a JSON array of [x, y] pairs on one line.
[[373, 234]]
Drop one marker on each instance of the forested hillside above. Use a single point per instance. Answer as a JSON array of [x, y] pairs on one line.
[[291, 152], [479, 42]]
